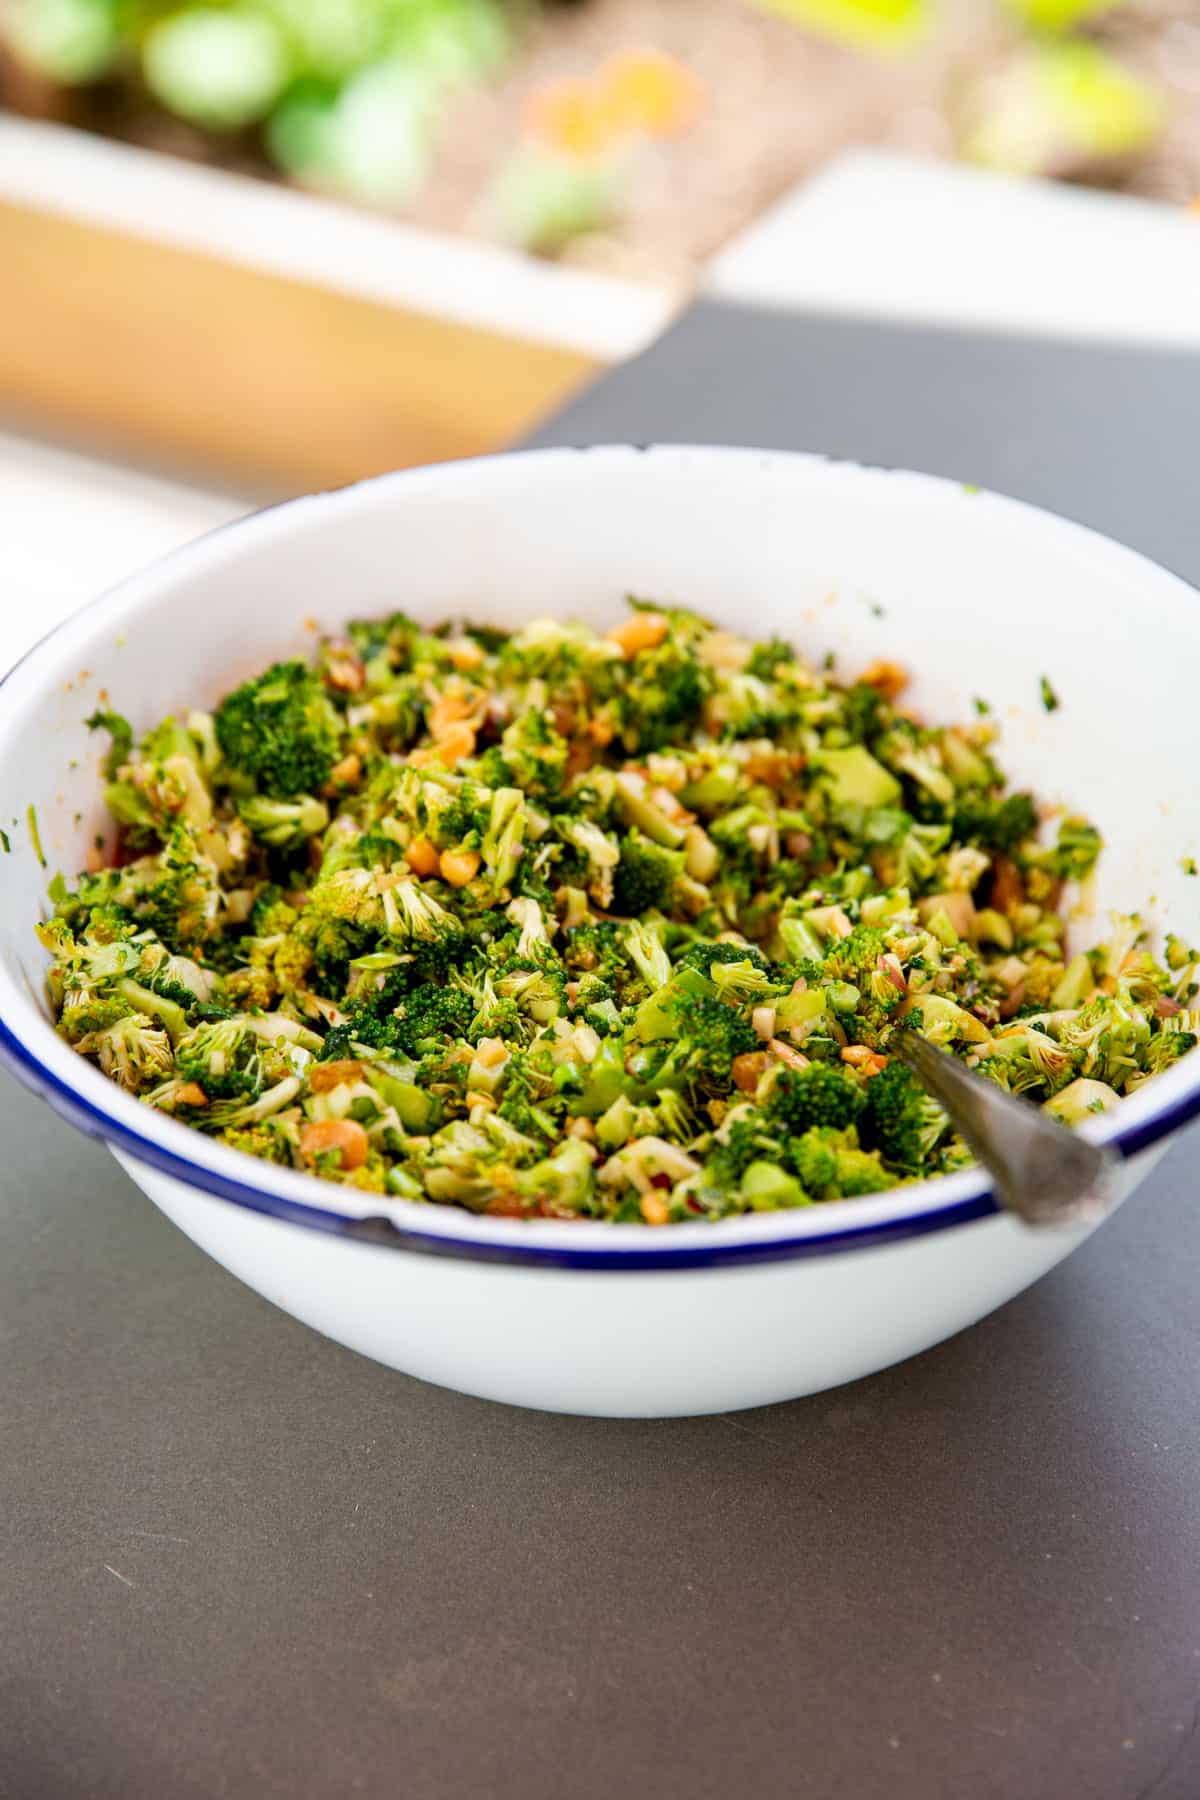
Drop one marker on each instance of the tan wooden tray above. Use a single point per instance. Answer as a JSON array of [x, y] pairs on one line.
[[229, 324]]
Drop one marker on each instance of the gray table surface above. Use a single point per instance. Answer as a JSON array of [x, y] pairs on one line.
[[236, 1560]]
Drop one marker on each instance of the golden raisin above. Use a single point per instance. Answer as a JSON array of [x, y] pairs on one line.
[[325, 1076], [460, 866], [747, 1068], [421, 857], [641, 631], [654, 1208], [457, 742], [887, 678], [322, 1136]]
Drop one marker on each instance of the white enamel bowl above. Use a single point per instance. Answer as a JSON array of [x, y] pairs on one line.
[[980, 595]]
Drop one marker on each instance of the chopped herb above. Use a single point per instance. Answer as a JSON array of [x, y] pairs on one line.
[[121, 733], [1188, 865], [34, 834], [1050, 700]]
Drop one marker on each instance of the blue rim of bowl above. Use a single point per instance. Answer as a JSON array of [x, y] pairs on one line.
[[94, 1122], [381, 1229]]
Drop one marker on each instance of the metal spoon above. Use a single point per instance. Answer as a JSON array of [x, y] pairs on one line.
[[1044, 1172]]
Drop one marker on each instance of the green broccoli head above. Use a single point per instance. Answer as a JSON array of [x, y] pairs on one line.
[[84, 1012], [902, 1121], [531, 755], [831, 1164], [996, 821], [664, 693], [224, 1058], [1027, 1060], [536, 986], [823, 1094], [865, 712], [645, 950], [747, 1137], [703, 955], [813, 1158], [645, 877], [767, 658], [711, 1035], [595, 948], [271, 913], [269, 1139], [280, 731], [177, 894], [134, 1052], [856, 957], [428, 1016], [284, 824], [561, 1183], [917, 851], [1073, 856], [743, 983]]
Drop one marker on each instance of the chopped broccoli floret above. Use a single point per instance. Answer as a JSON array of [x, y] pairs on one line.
[[703, 955], [901, 1120], [711, 1035], [747, 1138], [644, 948], [822, 1094], [999, 822], [120, 732], [645, 876], [1074, 854], [768, 658], [663, 694], [284, 824], [269, 1139], [134, 1051], [225, 1059], [830, 1164], [280, 731]]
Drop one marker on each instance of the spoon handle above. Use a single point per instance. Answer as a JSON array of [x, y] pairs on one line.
[[1043, 1171]]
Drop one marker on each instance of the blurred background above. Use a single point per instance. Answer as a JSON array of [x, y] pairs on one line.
[[463, 208]]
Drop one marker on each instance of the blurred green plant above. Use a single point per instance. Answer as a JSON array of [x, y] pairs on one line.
[[218, 67], [541, 200], [875, 24], [347, 94], [70, 41], [1057, 99], [1057, 102], [581, 145], [1057, 15]]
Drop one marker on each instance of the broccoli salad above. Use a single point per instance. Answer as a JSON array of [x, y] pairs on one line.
[[561, 924]]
